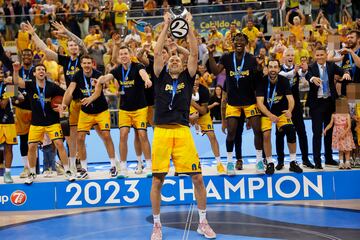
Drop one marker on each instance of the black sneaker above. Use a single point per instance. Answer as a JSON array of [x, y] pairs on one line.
[[318, 166], [83, 174], [270, 169], [279, 166], [239, 164], [331, 163], [308, 164], [294, 167], [113, 172]]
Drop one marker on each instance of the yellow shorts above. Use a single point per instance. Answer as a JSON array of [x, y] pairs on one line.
[[22, 120], [175, 142], [87, 121], [205, 122], [74, 111], [8, 134], [192, 110], [266, 123], [150, 115], [136, 119], [235, 111], [36, 133]]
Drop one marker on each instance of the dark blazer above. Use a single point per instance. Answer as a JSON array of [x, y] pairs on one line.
[[313, 71]]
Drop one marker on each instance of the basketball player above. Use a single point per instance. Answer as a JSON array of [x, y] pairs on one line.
[[94, 111], [172, 137], [44, 118], [71, 65], [132, 79]]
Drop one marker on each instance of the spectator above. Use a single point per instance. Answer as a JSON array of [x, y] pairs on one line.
[[297, 28], [105, 17], [300, 53], [133, 36], [11, 26], [305, 8], [251, 32], [96, 51], [49, 10], [329, 8], [120, 8], [228, 45], [22, 7], [248, 17], [150, 8], [202, 49], [147, 29], [38, 14], [215, 103], [2, 21], [215, 37], [23, 39], [267, 23], [81, 9], [94, 36]]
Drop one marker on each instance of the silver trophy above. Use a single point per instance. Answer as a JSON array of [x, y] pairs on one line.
[[179, 27]]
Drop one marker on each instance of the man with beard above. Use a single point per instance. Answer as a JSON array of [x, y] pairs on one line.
[[241, 74], [275, 101], [290, 72], [132, 79], [351, 58], [94, 111], [71, 65], [172, 136], [44, 118]]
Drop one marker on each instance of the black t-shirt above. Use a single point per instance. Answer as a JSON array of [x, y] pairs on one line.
[[134, 97], [38, 117], [149, 92], [215, 112], [27, 75], [182, 99], [351, 68], [70, 68], [6, 115], [294, 83], [279, 102], [100, 104], [243, 93], [204, 95]]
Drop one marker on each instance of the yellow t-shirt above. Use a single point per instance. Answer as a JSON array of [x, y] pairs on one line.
[[298, 31], [251, 34], [53, 68], [63, 43], [299, 54], [228, 45], [23, 40], [217, 40], [120, 18], [90, 39], [321, 38]]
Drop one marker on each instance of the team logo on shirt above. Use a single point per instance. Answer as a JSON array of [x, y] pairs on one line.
[[35, 96], [127, 83], [277, 99], [72, 71], [169, 87], [238, 73]]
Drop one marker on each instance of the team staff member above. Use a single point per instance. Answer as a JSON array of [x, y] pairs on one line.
[[132, 79], [275, 101], [241, 74], [290, 71], [94, 111], [205, 122], [71, 65], [44, 118], [7, 128], [321, 101], [172, 137]]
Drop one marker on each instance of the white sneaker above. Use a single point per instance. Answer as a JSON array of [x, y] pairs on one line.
[[148, 171], [49, 174], [30, 179], [69, 175], [122, 174], [139, 168]]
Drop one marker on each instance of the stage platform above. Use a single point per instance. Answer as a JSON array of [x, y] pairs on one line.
[[247, 186]]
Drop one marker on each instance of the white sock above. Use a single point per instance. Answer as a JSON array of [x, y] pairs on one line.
[[7, 169], [292, 157], [258, 156], [218, 160], [83, 164], [123, 166], [72, 162], [139, 159], [202, 215], [156, 218], [269, 160], [148, 163], [66, 167], [32, 170], [229, 157], [113, 162], [25, 161]]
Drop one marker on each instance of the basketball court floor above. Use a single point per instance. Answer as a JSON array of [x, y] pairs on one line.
[[317, 219]]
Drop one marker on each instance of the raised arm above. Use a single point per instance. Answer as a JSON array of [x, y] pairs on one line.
[[61, 29], [194, 51], [158, 59], [39, 43], [68, 94], [287, 19], [302, 17], [17, 80]]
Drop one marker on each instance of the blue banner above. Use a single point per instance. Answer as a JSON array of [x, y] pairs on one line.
[[179, 190]]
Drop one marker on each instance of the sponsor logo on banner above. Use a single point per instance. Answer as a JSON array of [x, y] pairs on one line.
[[18, 198]]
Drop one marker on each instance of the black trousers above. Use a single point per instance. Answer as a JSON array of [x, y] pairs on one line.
[[298, 120], [321, 116]]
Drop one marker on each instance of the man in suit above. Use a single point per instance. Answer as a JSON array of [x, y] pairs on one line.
[[321, 101]]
